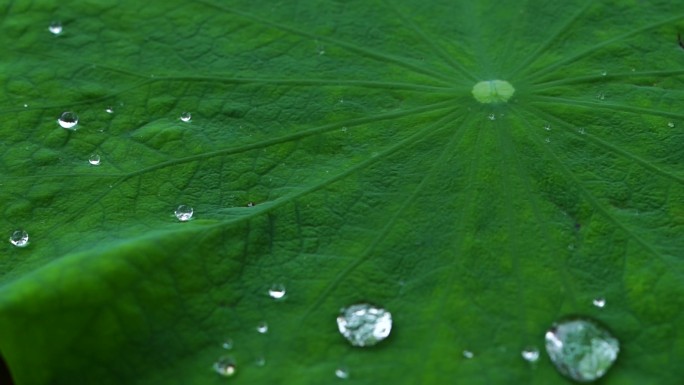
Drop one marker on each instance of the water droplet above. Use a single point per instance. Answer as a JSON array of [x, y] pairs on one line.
[[262, 327], [94, 160], [225, 366], [227, 344], [604, 73], [186, 116], [547, 126], [25, 105], [547, 140], [55, 28], [260, 361], [530, 354], [601, 96], [109, 110], [183, 213], [671, 124], [599, 302], [344, 129], [250, 204], [491, 117], [342, 373], [19, 238], [581, 349], [68, 120], [364, 324], [277, 291], [581, 130], [468, 354]]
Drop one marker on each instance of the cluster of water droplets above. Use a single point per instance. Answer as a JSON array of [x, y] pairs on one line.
[[364, 324]]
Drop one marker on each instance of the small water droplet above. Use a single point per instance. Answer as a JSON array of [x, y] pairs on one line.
[[250, 204], [277, 291], [547, 140], [671, 124], [260, 361], [19, 238], [68, 120], [530, 354], [468, 354], [109, 110], [581, 349], [94, 160], [604, 73], [364, 325], [342, 373], [601, 96], [55, 28], [262, 327], [599, 302], [225, 366], [25, 105], [227, 344], [344, 129], [491, 117], [547, 126], [581, 130], [186, 116], [183, 213]]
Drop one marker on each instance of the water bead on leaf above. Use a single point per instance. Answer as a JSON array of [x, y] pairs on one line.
[[364, 324], [68, 120], [19, 238], [55, 28], [277, 291], [183, 213], [225, 367], [94, 160], [186, 117]]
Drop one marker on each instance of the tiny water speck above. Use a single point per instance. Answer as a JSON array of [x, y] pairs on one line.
[[250, 204], [491, 117], [671, 124], [19, 238], [547, 127], [225, 367], [604, 73], [262, 327], [260, 361], [94, 160], [342, 373], [581, 349], [183, 213], [227, 344], [599, 302], [109, 110], [55, 28], [581, 130], [530, 354], [186, 116], [364, 325], [68, 120], [468, 354], [277, 291]]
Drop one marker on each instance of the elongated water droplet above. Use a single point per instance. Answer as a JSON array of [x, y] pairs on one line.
[[186, 116], [581, 350], [225, 366], [68, 120], [183, 213], [227, 344], [262, 327], [468, 354], [94, 160], [530, 354], [277, 291], [364, 325], [342, 373], [55, 28], [599, 302], [109, 110], [19, 238]]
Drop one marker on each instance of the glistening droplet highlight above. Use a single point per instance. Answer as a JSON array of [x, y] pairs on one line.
[[225, 367], [530, 354], [55, 28], [19, 238], [186, 117], [68, 120], [364, 324], [581, 349], [94, 160], [183, 213], [277, 291]]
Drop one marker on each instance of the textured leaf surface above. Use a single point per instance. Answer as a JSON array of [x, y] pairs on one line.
[[375, 176]]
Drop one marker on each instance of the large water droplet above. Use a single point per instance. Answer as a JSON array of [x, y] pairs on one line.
[[342, 373], [277, 291], [530, 354], [183, 213], [599, 302], [581, 349], [68, 120], [364, 324], [186, 116], [55, 28], [94, 160], [225, 366], [262, 327], [19, 238]]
